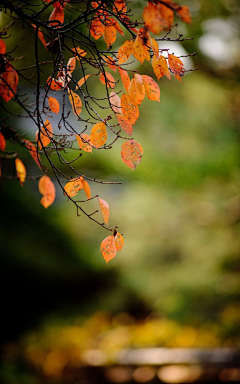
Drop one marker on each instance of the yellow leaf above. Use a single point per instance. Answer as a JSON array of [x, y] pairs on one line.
[[83, 141], [21, 171], [98, 135], [104, 209], [75, 101], [108, 248], [73, 187], [47, 189]]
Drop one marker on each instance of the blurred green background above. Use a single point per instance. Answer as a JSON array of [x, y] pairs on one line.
[[176, 281]]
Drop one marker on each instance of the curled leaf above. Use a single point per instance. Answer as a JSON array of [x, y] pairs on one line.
[[108, 79], [21, 170], [82, 81], [131, 153], [104, 209], [47, 189], [86, 188], [33, 152], [108, 248], [176, 66], [98, 135], [40, 36]]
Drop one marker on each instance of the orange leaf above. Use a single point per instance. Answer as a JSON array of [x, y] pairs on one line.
[[152, 18], [40, 36], [160, 67], [108, 248], [98, 135], [3, 47], [53, 105], [47, 189], [111, 63], [115, 102], [129, 108], [73, 187], [21, 170], [119, 6], [53, 84], [184, 14], [45, 135], [104, 209], [87, 189], [154, 46], [124, 77], [97, 28], [115, 24], [136, 89], [83, 141], [107, 79], [141, 45], [165, 15], [75, 101], [131, 153], [176, 66], [125, 51], [71, 64], [57, 16], [78, 52], [119, 241], [2, 142], [82, 81], [109, 35], [125, 124], [8, 82], [151, 88], [33, 152]]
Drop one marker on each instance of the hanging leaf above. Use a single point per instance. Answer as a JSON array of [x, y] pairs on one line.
[[160, 67], [96, 28], [136, 89], [115, 102], [141, 45], [83, 141], [125, 51], [3, 47], [119, 6], [152, 18], [57, 17], [53, 84], [176, 66], [165, 16], [47, 189], [131, 153], [53, 105], [108, 248], [82, 81], [8, 82], [154, 46], [2, 142], [119, 241], [129, 109], [125, 124], [71, 64], [151, 88], [109, 35], [107, 79], [86, 188], [45, 135], [78, 52], [184, 14], [73, 187], [75, 101], [98, 135], [111, 63], [104, 209], [40, 36], [21, 171], [124, 77], [33, 152]]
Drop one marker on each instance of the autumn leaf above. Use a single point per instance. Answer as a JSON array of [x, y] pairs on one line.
[[124, 77], [115, 24], [160, 67], [83, 141], [136, 89], [111, 63], [125, 51], [165, 15], [98, 135], [82, 81], [75, 101], [109, 35], [71, 64], [119, 6], [131, 153], [96, 28], [46, 134], [73, 187], [119, 241], [33, 152], [47, 189], [115, 102], [129, 109], [40, 36], [125, 124], [53, 84], [3, 47], [78, 52], [108, 79], [152, 18], [184, 14], [151, 88], [104, 209], [21, 170], [86, 188], [53, 105], [57, 17], [154, 47], [176, 66], [8, 82], [2, 142], [108, 248], [141, 46]]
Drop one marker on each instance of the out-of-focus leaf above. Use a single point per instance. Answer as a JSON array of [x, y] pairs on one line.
[[131, 153], [47, 189], [21, 170], [104, 209]]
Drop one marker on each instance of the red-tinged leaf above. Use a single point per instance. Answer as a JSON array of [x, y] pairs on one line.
[[21, 171], [125, 51], [82, 81], [119, 6], [104, 209], [125, 124], [40, 36], [107, 79], [109, 35], [136, 89], [141, 45], [166, 16], [75, 101], [124, 77], [2, 142], [151, 88], [87, 189], [160, 67], [57, 17], [152, 18], [111, 63], [71, 64], [53, 105], [47, 189], [78, 52], [119, 241], [97, 28], [53, 84], [115, 102], [184, 14], [83, 141], [129, 109], [45, 135], [8, 82], [108, 248], [98, 135], [73, 187], [3, 47], [33, 152], [131, 153], [115, 24], [176, 66]]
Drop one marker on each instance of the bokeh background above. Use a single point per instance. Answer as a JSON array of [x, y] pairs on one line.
[[176, 281]]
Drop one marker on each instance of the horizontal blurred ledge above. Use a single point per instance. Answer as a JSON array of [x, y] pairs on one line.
[[166, 356]]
